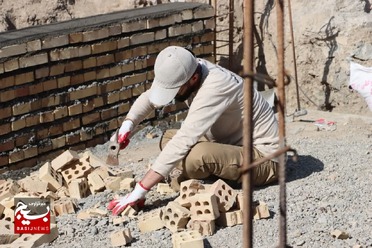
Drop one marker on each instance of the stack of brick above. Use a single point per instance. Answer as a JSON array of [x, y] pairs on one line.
[[197, 211], [67, 178]]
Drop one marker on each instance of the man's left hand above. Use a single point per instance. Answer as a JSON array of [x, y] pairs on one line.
[[135, 198]]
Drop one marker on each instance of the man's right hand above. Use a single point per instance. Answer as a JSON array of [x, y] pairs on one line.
[[123, 134]]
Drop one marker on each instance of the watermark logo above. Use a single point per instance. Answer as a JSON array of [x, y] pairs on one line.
[[31, 215]]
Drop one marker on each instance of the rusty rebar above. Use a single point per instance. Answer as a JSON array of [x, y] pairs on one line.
[[281, 120], [294, 55], [231, 33], [248, 48], [271, 156]]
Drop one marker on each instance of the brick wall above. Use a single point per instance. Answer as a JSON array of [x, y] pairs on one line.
[[69, 85]]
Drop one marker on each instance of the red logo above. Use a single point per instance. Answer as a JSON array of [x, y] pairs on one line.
[[32, 215]]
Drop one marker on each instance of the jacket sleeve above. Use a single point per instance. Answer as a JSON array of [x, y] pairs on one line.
[[206, 108], [141, 108]]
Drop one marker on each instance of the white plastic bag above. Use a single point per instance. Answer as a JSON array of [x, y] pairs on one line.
[[361, 81]]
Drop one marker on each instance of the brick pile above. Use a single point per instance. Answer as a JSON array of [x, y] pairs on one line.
[[71, 176], [197, 211], [64, 180]]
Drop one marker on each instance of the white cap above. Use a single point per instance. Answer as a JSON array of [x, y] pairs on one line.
[[174, 66]]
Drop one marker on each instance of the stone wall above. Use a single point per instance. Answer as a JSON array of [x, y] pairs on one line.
[[69, 85]]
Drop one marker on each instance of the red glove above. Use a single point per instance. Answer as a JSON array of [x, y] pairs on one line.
[[124, 132], [135, 198]]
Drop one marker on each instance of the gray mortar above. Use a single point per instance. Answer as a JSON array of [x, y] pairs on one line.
[[132, 15], [328, 189]]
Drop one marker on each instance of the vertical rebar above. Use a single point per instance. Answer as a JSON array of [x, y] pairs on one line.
[[214, 4], [281, 109], [294, 55], [248, 130], [231, 33]]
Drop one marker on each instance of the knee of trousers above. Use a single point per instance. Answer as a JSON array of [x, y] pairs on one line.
[[205, 159]]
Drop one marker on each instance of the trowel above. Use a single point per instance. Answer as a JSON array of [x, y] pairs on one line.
[[113, 150]]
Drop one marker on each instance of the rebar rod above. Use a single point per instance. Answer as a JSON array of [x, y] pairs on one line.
[[281, 120], [248, 48], [231, 33], [294, 55]]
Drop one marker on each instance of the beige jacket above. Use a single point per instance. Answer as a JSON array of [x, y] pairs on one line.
[[216, 112]]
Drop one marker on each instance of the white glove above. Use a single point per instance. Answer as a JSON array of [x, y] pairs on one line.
[[124, 132], [135, 198]]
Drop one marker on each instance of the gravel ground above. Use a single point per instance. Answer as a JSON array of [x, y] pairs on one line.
[[328, 189]]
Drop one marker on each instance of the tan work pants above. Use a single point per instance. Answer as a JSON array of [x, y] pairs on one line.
[[209, 158]]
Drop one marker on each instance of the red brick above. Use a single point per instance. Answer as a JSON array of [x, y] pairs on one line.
[[16, 156], [5, 112], [11, 65], [89, 63], [114, 85], [18, 124], [85, 51], [104, 47], [75, 109], [85, 135], [113, 97], [36, 104], [140, 51], [24, 78], [23, 139], [32, 120], [43, 149], [22, 91], [57, 69], [4, 160], [30, 152], [88, 106], [116, 70], [105, 59], [33, 60], [75, 37], [103, 73], [57, 41], [7, 145], [90, 76], [60, 112], [7, 95], [114, 30], [7, 82], [123, 55], [72, 138], [42, 72], [77, 79], [12, 50], [36, 88], [90, 118], [50, 85], [33, 45], [74, 66], [47, 116], [59, 142], [49, 101], [123, 108], [63, 81], [72, 124], [21, 108], [109, 113], [98, 102], [95, 34]]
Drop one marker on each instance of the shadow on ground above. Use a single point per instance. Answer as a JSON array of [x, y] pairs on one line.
[[304, 167]]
